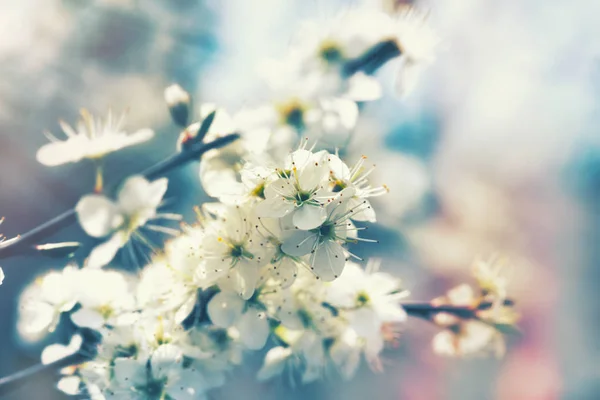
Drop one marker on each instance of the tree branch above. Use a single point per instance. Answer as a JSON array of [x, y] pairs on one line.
[[16, 380]]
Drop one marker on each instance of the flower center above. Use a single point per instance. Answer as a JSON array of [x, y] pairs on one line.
[[259, 191], [238, 251], [327, 230], [303, 196], [362, 299], [338, 186], [330, 52], [292, 114]]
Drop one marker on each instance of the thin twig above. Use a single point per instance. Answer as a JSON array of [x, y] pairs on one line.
[[427, 310], [21, 244], [16, 380]]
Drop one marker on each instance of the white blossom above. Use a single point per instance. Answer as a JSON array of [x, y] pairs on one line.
[[299, 191], [105, 297], [135, 206], [324, 243], [42, 303], [417, 42], [92, 138], [369, 299]]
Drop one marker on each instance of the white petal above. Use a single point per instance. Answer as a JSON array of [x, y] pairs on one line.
[[55, 352], [365, 211], [57, 153], [309, 217], [363, 88], [69, 385], [139, 136], [274, 363], [137, 194], [87, 318], [284, 271], [254, 329], [249, 274], [105, 252], [299, 243], [275, 207], [407, 77], [185, 309], [225, 308], [328, 261], [164, 359], [97, 215], [129, 372], [338, 167], [313, 174]]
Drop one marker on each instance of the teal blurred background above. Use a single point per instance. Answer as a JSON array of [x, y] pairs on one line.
[[498, 150]]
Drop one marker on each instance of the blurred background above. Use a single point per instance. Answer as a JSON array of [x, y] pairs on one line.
[[496, 152]]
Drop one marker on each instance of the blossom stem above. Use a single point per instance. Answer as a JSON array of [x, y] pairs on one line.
[[99, 177], [426, 310], [373, 58], [22, 244], [16, 380]]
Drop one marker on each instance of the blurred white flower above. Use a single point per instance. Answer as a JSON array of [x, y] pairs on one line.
[[93, 139], [4, 242], [275, 362], [417, 42], [105, 298], [42, 302], [136, 204], [369, 299], [220, 168], [469, 337], [232, 249], [313, 67], [227, 309], [327, 121]]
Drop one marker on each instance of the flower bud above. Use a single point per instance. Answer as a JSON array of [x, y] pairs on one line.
[[179, 102]]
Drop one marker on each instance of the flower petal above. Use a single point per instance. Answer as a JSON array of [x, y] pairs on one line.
[[299, 243], [105, 252], [254, 329], [275, 207], [97, 215], [328, 261], [309, 217], [87, 318], [274, 363], [225, 308]]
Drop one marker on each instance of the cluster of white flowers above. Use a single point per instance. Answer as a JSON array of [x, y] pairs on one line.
[[268, 260]]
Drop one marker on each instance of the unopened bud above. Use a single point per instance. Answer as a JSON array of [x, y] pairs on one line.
[[179, 102], [187, 136]]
